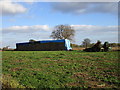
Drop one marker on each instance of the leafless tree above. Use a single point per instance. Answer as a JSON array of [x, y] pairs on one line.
[[63, 32]]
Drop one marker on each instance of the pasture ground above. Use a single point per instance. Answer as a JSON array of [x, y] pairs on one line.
[[60, 69]]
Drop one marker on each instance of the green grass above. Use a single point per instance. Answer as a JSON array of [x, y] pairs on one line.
[[60, 69]]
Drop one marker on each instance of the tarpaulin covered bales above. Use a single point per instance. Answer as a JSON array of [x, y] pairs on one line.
[[47, 45]]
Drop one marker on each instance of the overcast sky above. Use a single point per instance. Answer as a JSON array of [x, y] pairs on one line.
[[22, 21]]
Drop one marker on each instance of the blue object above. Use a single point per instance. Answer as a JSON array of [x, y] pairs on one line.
[[66, 43]]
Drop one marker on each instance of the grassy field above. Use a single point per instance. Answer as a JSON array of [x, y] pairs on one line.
[[60, 69]]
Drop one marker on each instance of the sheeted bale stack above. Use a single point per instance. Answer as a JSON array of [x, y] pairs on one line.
[[49, 45], [22, 46], [53, 46]]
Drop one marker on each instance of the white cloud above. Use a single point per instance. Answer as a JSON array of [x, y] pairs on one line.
[[79, 28], [82, 28], [10, 8], [85, 7], [94, 28], [26, 29], [103, 33]]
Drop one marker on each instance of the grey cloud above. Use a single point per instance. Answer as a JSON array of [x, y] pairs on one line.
[[110, 7], [85, 7]]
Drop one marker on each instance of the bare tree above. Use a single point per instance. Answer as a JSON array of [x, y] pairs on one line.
[[63, 32], [86, 42]]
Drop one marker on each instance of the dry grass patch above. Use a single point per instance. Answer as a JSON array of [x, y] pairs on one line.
[[9, 82]]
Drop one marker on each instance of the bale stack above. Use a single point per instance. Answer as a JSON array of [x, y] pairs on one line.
[[37, 46]]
